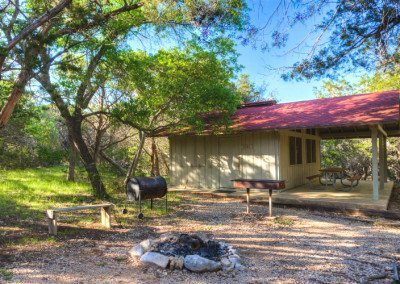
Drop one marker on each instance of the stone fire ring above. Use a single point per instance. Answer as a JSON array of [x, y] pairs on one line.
[[194, 253]]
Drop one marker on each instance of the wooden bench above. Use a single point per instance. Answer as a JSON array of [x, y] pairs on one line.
[[311, 178], [105, 210]]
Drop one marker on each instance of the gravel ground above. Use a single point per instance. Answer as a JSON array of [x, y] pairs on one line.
[[299, 246]]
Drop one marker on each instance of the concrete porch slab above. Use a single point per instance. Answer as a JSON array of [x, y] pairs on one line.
[[359, 198]]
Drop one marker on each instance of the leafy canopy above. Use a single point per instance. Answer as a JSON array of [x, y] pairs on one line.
[[348, 34], [177, 87]]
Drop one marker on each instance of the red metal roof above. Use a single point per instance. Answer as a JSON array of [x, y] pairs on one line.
[[361, 109]]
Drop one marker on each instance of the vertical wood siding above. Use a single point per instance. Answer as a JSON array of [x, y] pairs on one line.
[[295, 174], [213, 161]]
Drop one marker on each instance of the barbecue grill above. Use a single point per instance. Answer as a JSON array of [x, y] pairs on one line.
[[142, 188]]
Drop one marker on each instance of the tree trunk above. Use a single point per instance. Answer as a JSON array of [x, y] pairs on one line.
[[14, 97], [112, 162], [155, 165], [135, 161], [99, 130], [74, 128], [71, 159], [164, 160]]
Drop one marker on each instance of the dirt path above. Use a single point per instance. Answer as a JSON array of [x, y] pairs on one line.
[[301, 246]]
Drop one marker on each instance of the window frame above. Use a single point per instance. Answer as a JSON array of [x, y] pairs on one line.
[[295, 150]]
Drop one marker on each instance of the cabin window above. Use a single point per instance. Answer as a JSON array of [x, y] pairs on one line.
[[295, 152], [311, 131], [311, 150]]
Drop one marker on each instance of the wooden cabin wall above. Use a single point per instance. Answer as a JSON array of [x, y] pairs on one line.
[[213, 161], [295, 175]]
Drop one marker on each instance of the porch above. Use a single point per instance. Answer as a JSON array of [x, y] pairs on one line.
[[361, 197]]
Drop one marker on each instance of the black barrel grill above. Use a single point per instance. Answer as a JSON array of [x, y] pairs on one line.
[[142, 188]]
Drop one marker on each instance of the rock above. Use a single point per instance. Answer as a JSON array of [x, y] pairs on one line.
[[234, 259], [232, 251], [176, 262], [147, 244], [155, 258], [239, 267], [227, 265], [168, 237], [197, 263], [137, 251]]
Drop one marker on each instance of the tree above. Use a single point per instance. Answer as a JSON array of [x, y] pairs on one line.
[[73, 68], [248, 90], [29, 26], [175, 89], [348, 34]]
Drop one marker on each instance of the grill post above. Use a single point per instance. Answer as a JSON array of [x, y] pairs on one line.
[[248, 199], [140, 215], [270, 203]]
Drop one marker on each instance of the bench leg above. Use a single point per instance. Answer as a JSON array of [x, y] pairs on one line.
[[52, 222], [106, 217]]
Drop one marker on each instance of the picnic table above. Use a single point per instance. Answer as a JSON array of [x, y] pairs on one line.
[[331, 174]]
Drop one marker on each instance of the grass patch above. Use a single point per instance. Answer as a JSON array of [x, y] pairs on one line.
[[6, 274], [25, 195], [284, 221]]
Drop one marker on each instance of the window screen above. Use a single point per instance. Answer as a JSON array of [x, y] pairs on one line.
[[311, 151]]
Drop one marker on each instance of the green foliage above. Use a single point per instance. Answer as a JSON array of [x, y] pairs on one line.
[[175, 88], [382, 80], [248, 91], [363, 34], [335, 88], [31, 138], [6, 274], [284, 221]]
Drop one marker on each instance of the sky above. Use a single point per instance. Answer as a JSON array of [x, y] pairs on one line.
[[266, 68]]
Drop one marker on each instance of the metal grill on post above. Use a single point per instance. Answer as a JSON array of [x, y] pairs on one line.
[[142, 188]]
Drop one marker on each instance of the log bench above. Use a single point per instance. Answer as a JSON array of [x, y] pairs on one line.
[[105, 211], [311, 178]]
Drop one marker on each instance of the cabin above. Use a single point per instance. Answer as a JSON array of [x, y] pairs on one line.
[[272, 140]]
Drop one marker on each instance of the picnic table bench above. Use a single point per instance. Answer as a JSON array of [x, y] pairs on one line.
[[354, 180], [105, 211], [332, 174], [311, 178]]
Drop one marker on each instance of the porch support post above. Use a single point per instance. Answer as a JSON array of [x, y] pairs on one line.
[[381, 163], [375, 181], [385, 166]]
